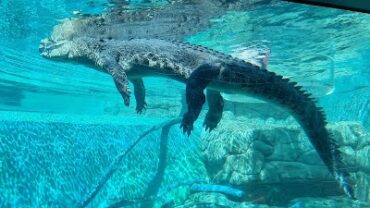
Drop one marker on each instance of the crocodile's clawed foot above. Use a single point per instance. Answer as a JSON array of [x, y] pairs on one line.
[[121, 81], [126, 100], [209, 126], [211, 121], [187, 124], [123, 89], [125, 93], [141, 108]]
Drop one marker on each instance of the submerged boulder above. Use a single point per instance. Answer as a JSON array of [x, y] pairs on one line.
[[215, 200], [354, 141], [276, 161]]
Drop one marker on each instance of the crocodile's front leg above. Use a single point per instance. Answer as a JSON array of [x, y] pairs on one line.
[[139, 92], [120, 80], [216, 107], [195, 97]]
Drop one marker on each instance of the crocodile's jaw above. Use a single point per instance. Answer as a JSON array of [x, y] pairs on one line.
[[54, 49]]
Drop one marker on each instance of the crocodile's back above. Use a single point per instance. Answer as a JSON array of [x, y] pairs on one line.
[[160, 56]]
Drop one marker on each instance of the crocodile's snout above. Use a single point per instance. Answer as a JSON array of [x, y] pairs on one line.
[[50, 48], [44, 47]]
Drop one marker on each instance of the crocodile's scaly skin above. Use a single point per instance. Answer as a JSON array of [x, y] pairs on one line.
[[200, 67]]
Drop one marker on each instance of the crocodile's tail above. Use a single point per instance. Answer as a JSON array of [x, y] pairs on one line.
[[268, 85]]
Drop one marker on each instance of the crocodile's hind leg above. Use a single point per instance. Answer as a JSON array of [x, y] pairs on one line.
[[139, 92], [216, 107], [195, 97]]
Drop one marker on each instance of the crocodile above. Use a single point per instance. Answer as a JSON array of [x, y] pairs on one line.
[[200, 68]]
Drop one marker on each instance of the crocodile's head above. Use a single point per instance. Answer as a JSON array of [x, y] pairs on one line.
[[63, 49], [60, 49], [63, 42]]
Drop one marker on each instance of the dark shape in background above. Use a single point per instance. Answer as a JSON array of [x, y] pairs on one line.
[[352, 5], [10, 96]]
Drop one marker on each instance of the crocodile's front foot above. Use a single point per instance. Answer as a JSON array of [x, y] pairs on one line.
[[126, 99], [139, 92], [120, 80], [210, 123], [140, 108], [187, 124]]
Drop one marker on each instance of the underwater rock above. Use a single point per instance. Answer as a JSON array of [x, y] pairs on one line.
[[328, 202], [218, 200], [275, 159], [354, 141], [355, 144]]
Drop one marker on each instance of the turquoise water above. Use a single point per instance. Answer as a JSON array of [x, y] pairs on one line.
[[64, 125]]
